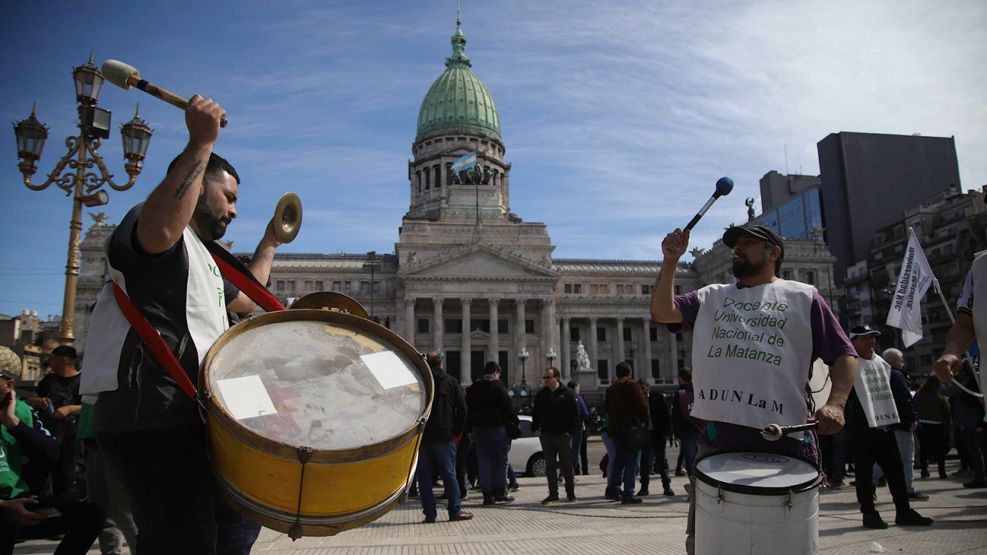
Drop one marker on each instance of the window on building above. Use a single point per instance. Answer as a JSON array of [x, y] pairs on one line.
[[337, 285], [529, 326], [454, 325], [577, 288], [347, 286], [503, 326], [291, 285], [655, 369], [786, 274], [599, 289], [603, 371], [480, 324], [645, 289], [810, 277], [567, 288], [574, 334], [627, 334], [365, 287], [319, 285], [308, 285], [423, 325], [601, 334], [653, 333], [280, 285]]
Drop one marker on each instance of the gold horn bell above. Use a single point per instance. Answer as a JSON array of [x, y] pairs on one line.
[[287, 218]]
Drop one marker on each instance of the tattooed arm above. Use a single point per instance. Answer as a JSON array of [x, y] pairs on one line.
[[170, 206]]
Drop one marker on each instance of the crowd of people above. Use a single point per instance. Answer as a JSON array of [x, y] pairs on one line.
[[130, 416]]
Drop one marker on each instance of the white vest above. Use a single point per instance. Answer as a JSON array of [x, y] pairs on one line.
[[205, 312], [873, 387], [978, 273], [751, 353]]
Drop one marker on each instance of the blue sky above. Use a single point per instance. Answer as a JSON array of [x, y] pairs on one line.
[[618, 117]]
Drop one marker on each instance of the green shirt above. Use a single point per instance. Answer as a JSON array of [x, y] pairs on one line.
[[12, 485]]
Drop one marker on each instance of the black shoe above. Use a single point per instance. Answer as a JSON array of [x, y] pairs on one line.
[[975, 484], [916, 496], [488, 499], [668, 492], [612, 494], [679, 472], [925, 473], [429, 520], [503, 498], [514, 487], [873, 520], [570, 497], [463, 515], [552, 498], [911, 518], [642, 493], [630, 500]]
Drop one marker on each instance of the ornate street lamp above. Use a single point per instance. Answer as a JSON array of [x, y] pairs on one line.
[[75, 173], [523, 356], [551, 356]]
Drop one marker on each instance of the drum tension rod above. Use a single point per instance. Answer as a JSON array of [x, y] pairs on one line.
[[720, 498], [304, 455]]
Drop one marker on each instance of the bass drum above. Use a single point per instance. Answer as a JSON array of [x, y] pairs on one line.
[[314, 419]]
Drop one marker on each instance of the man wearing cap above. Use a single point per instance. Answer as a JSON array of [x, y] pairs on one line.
[[870, 417], [754, 342]]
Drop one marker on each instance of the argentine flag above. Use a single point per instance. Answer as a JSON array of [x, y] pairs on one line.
[[465, 162]]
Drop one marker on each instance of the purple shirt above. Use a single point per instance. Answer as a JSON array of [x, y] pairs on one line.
[[829, 342]]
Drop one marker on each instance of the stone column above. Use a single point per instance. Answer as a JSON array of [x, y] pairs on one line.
[[494, 332], [519, 334], [564, 356], [466, 356], [438, 328], [620, 343], [409, 320], [553, 332], [646, 346], [594, 354]]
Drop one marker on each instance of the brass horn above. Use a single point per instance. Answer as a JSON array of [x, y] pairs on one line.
[[287, 218]]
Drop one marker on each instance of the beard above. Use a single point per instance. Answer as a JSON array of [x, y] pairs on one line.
[[743, 268], [208, 225]]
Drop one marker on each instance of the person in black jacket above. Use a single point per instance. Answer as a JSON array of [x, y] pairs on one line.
[[438, 448], [490, 411], [554, 421], [660, 430]]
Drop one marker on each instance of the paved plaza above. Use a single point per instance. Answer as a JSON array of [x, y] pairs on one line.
[[593, 524]]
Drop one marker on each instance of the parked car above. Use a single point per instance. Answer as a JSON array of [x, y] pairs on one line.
[[526, 456]]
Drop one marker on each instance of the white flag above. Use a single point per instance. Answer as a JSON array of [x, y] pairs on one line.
[[913, 281]]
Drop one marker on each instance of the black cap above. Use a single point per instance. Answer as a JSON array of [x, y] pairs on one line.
[[65, 351], [734, 233], [865, 329]]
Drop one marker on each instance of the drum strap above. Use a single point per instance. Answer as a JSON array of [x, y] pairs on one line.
[[233, 270]]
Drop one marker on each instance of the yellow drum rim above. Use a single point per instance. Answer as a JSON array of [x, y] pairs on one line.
[[286, 451]]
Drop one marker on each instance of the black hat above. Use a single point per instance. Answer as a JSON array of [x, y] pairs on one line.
[[865, 329], [734, 233], [65, 351]]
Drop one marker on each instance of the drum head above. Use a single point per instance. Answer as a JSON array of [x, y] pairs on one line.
[[318, 379], [757, 473]]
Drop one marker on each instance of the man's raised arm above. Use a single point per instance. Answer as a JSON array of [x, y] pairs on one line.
[[170, 207], [663, 307]]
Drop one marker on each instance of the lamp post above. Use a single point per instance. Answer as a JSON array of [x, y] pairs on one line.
[[372, 263], [523, 356], [551, 355], [75, 173]]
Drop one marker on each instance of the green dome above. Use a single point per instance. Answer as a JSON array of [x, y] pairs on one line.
[[458, 99]]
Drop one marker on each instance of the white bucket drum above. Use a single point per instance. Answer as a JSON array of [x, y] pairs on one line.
[[756, 503]]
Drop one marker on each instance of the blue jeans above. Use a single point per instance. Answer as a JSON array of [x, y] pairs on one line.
[[625, 466], [577, 442], [689, 446], [439, 456], [491, 458], [612, 479]]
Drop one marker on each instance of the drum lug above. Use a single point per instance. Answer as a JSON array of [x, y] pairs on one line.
[[720, 498], [788, 501]]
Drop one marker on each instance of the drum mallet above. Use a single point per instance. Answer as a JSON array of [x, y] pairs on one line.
[[723, 187], [126, 76], [774, 432]]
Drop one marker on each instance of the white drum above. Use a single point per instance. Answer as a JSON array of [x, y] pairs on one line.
[[756, 503]]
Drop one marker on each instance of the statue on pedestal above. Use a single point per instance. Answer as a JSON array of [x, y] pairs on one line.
[[582, 359]]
